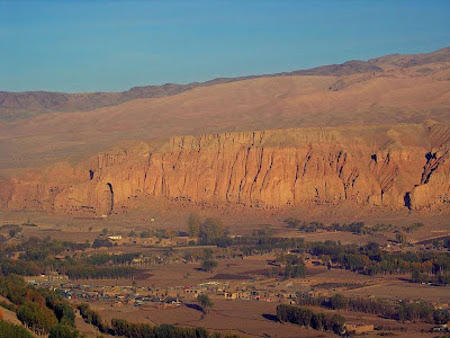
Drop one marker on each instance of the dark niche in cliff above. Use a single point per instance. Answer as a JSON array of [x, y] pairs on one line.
[[407, 199], [429, 167], [91, 174], [112, 197]]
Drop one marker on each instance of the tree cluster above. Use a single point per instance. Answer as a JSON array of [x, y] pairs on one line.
[[121, 327], [251, 245], [18, 267], [41, 310], [102, 243], [104, 258], [208, 263], [8, 330], [295, 267], [307, 318], [211, 231], [355, 227], [92, 317], [370, 259], [100, 272], [412, 311]]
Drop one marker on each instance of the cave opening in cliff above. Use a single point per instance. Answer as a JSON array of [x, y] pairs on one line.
[[112, 197], [91, 174], [407, 199]]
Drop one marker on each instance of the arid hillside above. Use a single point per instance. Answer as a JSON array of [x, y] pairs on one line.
[[404, 166], [401, 89], [15, 106], [372, 133]]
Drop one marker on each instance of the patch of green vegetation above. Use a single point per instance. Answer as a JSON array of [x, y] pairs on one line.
[[405, 311], [38, 308], [307, 318], [121, 327], [8, 330], [413, 227]]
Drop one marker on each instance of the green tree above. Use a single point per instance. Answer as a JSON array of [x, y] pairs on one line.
[[194, 222], [145, 234], [63, 331], [209, 265], [337, 323], [64, 313], [441, 316], [207, 253], [212, 231], [443, 279], [8, 330], [418, 277], [288, 271], [205, 302], [38, 318], [317, 321], [400, 237], [338, 301], [161, 233]]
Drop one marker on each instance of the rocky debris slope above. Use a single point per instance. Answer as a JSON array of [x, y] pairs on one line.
[[400, 166]]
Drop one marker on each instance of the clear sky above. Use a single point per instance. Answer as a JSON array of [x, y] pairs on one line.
[[79, 46]]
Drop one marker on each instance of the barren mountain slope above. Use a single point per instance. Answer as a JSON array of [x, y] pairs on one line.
[[407, 95], [398, 167], [15, 106]]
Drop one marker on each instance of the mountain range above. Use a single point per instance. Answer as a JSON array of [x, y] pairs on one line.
[[373, 133], [17, 105]]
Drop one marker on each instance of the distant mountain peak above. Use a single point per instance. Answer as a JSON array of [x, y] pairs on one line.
[[19, 105]]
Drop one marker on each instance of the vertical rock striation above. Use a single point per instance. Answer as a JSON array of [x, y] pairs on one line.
[[401, 166]]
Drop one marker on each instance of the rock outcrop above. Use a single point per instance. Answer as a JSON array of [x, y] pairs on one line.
[[401, 166]]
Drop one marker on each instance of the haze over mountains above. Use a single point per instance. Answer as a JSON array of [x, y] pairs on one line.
[[391, 89], [386, 142], [17, 105]]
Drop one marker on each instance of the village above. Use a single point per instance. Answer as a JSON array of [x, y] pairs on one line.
[[164, 297], [155, 276]]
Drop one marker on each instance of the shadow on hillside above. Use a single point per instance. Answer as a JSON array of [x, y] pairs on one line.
[[195, 307], [270, 317]]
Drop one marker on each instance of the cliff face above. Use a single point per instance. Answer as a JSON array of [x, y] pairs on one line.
[[402, 166]]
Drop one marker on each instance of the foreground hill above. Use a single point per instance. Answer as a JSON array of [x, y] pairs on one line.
[[399, 166]]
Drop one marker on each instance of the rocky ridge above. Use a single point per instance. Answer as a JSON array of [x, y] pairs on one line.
[[20, 105], [397, 166]]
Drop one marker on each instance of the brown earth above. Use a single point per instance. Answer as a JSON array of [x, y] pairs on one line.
[[400, 89], [14, 106], [372, 161], [256, 318]]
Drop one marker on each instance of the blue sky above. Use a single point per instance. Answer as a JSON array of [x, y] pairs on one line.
[[80, 46]]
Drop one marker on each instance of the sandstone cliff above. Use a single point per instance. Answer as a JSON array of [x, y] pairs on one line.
[[400, 166], [389, 90]]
